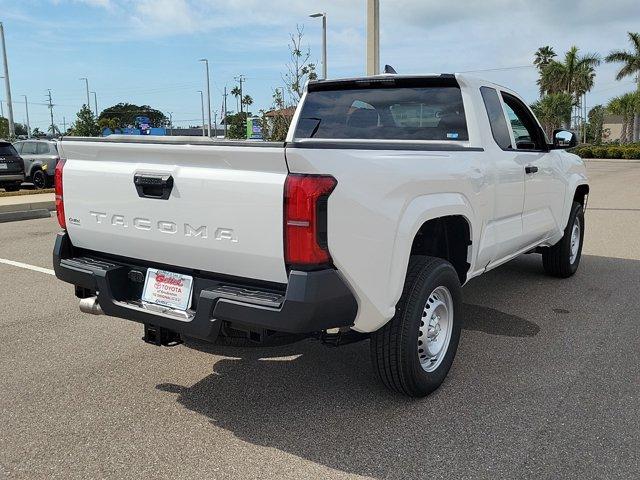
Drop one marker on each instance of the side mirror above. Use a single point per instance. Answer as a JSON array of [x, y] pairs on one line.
[[564, 139]]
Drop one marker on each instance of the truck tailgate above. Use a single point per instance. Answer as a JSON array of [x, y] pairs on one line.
[[223, 213]]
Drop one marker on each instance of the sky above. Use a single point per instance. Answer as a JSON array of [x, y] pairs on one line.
[[147, 51]]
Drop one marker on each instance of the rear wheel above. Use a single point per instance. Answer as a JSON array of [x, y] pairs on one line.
[[39, 179], [413, 353], [562, 259], [12, 188]]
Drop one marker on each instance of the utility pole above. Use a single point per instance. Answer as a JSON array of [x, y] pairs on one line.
[[215, 124], [206, 64], [324, 42], [26, 109], [373, 37], [86, 84], [240, 79], [95, 103], [64, 124], [7, 84], [225, 111], [170, 123], [53, 127], [202, 106]]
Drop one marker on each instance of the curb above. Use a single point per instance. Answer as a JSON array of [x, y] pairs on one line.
[[25, 207], [24, 215], [610, 160]]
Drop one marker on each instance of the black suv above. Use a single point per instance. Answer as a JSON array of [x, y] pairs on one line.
[[11, 167]]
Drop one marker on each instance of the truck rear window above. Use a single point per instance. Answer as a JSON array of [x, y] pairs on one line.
[[397, 113]]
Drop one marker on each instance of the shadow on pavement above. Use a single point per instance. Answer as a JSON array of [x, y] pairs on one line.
[[326, 406]]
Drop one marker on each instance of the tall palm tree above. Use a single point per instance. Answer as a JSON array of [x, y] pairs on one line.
[[541, 59], [574, 75], [247, 100], [630, 66], [236, 92], [543, 56]]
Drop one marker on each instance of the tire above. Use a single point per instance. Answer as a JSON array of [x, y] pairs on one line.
[[39, 179], [401, 363], [562, 259], [12, 188]]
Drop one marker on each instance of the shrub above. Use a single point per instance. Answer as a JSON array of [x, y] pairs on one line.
[[600, 152], [584, 151], [631, 153], [614, 152]]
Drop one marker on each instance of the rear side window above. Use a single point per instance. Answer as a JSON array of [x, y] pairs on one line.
[[29, 148], [6, 149], [42, 148], [499, 128], [401, 113]]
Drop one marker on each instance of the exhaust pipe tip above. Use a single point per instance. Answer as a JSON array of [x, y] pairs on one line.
[[90, 305]]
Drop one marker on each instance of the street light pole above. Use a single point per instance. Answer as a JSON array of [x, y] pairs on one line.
[[324, 41], [202, 106], [26, 109], [206, 64], [95, 103], [86, 83], [7, 85]]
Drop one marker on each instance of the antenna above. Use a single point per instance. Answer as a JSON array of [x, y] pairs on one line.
[[390, 69]]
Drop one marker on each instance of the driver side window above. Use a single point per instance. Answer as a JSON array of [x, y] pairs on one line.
[[526, 132]]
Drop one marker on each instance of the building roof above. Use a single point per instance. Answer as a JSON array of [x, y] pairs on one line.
[[285, 112]]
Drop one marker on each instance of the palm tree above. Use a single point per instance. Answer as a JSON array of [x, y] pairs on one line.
[[553, 111], [574, 75], [236, 92], [631, 66], [625, 105], [543, 56], [247, 100]]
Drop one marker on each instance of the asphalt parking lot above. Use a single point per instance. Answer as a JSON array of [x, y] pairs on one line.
[[546, 383]]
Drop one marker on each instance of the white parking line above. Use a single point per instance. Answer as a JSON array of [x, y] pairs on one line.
[[28, 267]]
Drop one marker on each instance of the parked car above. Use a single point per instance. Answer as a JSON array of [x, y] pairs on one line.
[[40, 159], [389, 194], [11, 168]]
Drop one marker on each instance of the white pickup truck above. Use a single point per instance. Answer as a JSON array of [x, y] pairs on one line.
[[389, 193]]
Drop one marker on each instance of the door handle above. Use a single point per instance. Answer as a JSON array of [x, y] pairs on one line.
[[530, 169], [153, 186]]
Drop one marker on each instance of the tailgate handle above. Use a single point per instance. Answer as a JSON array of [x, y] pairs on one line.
[[153, 186]]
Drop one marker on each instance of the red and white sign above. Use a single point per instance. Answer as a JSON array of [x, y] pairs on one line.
[[168, 289]]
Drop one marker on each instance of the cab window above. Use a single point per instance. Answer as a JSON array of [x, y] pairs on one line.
[[526, 132]]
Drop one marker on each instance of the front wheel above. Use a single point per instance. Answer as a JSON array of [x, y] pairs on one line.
[[12, 188], [562, 259], [414, 351]]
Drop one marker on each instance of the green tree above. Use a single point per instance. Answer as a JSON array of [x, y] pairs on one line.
[[236, 92], [553, 111], [574, 75], [247, 100], [4, 128], [276, 125], [299, 69], [85, 125], [124, 115], [543, 56], [594, 127], [236, 125], [625, 105], [630, 61], [37, 133]]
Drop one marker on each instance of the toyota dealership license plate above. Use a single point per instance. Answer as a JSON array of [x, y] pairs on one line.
[[168, 289]]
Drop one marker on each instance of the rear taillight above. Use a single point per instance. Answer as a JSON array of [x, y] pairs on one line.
[[305, 219], [59, 197]]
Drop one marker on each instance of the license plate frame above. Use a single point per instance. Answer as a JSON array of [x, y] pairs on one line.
[[168, 289]]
